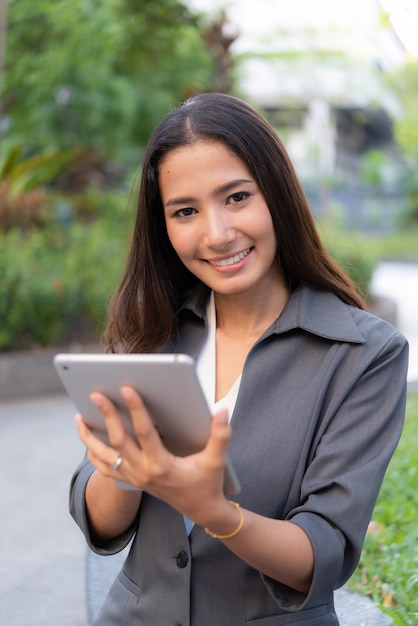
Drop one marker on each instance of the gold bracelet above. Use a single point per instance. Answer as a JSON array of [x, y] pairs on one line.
[[234, 532]]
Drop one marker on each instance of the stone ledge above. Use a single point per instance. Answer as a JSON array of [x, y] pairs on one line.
[[24, 374]]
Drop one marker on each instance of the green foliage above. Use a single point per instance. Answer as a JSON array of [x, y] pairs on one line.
[[397, 246], [55, 282], [388, 569], [25, 174], [358, 264], [36, 302], [408, 218], [23, 202], [99, 73], [351, 251], [372, 167], [404, 82]]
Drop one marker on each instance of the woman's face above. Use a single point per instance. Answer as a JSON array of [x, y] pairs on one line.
[[217, 218]]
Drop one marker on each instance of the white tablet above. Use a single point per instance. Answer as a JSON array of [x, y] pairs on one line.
[[168, 384]]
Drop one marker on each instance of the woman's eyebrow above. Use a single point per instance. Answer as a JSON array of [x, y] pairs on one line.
[[218, 190]]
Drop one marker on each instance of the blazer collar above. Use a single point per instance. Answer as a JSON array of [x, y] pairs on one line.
[[321, 313], [318, 312]]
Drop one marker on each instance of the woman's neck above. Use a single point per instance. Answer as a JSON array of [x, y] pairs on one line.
[[249, 315]]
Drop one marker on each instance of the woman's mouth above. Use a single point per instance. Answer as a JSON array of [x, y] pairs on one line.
[[232, 259]]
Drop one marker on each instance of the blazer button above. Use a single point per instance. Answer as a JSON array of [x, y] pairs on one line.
[[182, 559]]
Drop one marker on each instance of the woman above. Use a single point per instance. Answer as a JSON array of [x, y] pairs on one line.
[[226, 265]]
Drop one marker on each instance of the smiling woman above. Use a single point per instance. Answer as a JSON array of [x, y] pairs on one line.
[[307, 391]]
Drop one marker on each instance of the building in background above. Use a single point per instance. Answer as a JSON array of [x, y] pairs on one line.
[[318, 70]]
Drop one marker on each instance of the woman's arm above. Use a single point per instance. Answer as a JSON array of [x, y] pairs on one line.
[[279, 549], [110, 509]]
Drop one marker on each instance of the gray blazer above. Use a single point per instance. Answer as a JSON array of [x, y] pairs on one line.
[[318, 415]]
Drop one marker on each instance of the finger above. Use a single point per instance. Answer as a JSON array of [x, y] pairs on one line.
[[82, 428], [87, 437], [116, 431], [143, 425], [220, 436], [99, 453]]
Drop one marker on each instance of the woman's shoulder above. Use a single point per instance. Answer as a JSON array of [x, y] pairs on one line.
[[370, 319], [378, 331], [325, 314]]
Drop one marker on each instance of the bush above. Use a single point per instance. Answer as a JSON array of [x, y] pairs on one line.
[[60, 252], [34, 306], [24, 202], [55, 283], [352, 252]]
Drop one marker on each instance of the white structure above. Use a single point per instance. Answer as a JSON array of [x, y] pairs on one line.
[[318, 58]]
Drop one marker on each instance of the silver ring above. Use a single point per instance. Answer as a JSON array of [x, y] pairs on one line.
[[116, 463]]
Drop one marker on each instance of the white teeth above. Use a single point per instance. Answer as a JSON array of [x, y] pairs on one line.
[[232, 259]]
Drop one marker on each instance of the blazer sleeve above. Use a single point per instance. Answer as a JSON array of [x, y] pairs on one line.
[[359, 431], [79, 512]]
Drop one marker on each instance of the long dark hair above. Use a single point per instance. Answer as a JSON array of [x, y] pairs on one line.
[[142, 313]]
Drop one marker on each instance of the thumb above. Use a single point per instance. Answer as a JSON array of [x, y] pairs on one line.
[[220, 433]]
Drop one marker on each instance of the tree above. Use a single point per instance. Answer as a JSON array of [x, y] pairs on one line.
[[405, 85], [99, 72], [3, 30]]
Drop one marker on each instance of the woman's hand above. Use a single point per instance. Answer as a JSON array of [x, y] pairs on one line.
[[193, 485]]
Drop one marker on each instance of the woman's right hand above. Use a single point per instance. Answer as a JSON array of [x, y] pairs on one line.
[[193, 485]]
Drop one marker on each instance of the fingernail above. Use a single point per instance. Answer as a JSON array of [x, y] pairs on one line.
[[79, 422], [126, 393], [223, 417], [96, 400]]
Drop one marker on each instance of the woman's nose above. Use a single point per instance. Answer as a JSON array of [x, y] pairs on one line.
[[219, 229]]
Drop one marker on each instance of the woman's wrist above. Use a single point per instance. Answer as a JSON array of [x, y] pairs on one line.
[[227, 522], [110, 510], [234, 532]]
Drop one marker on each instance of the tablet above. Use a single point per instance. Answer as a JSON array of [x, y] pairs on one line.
[[168, 384]]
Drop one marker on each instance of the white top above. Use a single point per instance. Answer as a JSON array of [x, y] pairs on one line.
[[206, 372], [206, 367]]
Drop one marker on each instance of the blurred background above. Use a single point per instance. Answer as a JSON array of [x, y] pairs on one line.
[[83, 83]]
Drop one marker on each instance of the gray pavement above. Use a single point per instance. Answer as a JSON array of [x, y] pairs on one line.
[[42, 552], [43, 555]]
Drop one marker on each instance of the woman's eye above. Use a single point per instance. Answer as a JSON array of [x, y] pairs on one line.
[[237, 197], [184, 212]]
